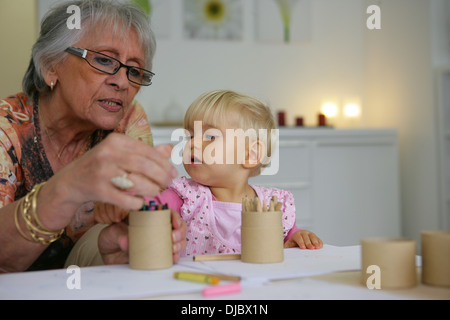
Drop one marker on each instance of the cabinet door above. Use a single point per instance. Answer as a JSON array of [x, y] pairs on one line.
[[356, 191], [293, 164], [443, 122]]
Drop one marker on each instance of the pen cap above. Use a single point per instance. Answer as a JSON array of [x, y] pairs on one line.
[[262, 237], [150, 238]]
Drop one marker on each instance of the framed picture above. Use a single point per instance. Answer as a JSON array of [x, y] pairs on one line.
[[290, 21], [213, 19]]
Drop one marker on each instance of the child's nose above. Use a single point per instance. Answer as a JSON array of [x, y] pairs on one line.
[[196, 142]]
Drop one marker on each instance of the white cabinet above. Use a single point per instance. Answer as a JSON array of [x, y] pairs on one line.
[[295, 173], [356, 187], [443, 134], [345, 182]]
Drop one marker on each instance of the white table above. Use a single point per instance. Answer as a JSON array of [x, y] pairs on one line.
[[328, 273]]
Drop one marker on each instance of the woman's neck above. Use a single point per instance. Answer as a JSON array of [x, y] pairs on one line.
[[62, 138]]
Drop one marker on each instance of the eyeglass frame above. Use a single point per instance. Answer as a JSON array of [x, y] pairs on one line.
[[82, 53]]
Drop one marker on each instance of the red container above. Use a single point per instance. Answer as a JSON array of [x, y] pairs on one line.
[[281, 118], [322, 120], [299, 121]]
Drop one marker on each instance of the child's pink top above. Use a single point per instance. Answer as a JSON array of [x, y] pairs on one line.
[[213, 226]]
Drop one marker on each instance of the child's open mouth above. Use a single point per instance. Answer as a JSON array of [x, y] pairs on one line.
[[195, 160]]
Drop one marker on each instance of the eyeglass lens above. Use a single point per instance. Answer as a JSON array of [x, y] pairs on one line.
[[110, 65]]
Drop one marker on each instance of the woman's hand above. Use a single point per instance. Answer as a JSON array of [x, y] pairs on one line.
[[113, 242], [89, 177], [304, 239], [106, 213]]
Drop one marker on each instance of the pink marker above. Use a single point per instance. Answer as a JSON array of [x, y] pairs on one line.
[[234, 287]]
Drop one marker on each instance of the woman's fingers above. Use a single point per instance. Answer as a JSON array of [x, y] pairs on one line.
[[107, 213], [113, 244], [113, 241], [140, 161], [144, 170]]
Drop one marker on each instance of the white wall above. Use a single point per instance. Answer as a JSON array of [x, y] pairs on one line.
[[399, 93], [17, 35], [293, 77]]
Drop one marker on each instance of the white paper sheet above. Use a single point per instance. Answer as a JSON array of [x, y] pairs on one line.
[[101, 282], [121, 282], [297, 263]]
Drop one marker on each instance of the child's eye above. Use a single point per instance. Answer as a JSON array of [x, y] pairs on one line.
[[209, 137]]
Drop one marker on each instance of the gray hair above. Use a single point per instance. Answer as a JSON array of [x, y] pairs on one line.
[[55, 35]]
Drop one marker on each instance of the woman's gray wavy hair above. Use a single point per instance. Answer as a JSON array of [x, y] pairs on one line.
[[55, 35]]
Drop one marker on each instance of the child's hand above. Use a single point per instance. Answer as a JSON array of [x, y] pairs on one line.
[[304, 239], [107, 213]]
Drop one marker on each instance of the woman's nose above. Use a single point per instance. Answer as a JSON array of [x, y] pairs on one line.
[[120, 79]]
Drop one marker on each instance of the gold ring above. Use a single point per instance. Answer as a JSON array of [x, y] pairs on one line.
[[122, 182]]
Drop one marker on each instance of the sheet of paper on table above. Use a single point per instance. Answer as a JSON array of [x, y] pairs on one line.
[[297, 263], [119, 282]]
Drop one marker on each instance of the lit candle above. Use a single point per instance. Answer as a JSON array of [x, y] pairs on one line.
[[352, 113]]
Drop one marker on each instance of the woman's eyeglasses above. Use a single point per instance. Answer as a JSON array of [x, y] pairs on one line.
[[109, 65]]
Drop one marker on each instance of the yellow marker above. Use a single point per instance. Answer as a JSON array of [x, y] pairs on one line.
[[196, 277]]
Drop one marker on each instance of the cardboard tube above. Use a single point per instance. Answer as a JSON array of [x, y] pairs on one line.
[[393, 258], [262, 237], [436, 258], [150, 236]]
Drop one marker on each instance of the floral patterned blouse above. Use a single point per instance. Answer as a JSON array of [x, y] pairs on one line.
[[23, 164], [214, 227]]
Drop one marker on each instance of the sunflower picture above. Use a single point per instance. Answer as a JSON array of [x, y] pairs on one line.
[[213, 19]]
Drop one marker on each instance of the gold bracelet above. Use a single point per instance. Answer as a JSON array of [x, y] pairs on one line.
[[16, 220], [26, 212], [37, 231]]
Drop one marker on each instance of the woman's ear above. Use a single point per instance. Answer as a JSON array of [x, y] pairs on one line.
[[254, 155], [50, 76]]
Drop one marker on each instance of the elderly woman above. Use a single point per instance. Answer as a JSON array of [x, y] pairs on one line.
[[76, 137]]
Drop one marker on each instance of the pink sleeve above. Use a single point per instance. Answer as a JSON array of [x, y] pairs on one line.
[[168, 196], [291, 232], [289, 211]]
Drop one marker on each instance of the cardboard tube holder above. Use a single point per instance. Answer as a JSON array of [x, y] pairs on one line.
[[395, 258], [262, 237], [436, 258], [150, 237]]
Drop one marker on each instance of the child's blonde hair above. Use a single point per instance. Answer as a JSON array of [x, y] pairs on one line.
[[250, 113]]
